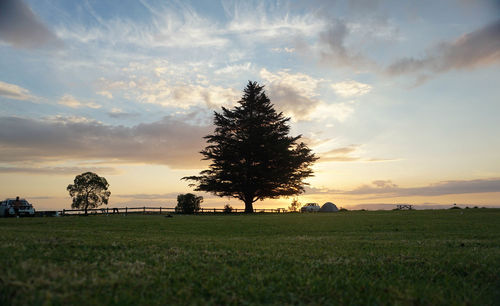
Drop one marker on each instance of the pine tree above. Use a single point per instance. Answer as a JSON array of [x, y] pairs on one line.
[[252, 157]]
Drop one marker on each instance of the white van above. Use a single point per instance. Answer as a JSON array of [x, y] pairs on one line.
[[16, 207], [310, 207]]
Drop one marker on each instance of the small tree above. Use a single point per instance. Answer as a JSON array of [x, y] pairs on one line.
[[228, 209], [252, 156], [188, 203], [294, 206], [88, 191]]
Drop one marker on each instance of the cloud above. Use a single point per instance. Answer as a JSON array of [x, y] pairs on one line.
[[472, 50], [315, 190], [333, 47], [383, 189], [294, 94], [20, 27], [15, 92], [340, 154], [57, 170], [351, 88], [268, 21], [105, 93], [349, 153], [70, 119], [169, 93], [283, 50], [168, 27], [314, 140], [335, 111], [70, 101], [234, 69], [118, 113], [170, 141]]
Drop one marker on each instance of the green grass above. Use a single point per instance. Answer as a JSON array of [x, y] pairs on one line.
[[382, 257]]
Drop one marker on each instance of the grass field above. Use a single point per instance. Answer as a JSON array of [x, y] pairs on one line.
[[360, 257]]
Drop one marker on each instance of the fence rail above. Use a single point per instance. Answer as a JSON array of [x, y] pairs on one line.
[[149, 210]]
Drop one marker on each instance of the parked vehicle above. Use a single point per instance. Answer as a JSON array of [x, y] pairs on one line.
[[310, 207], [16, 207]]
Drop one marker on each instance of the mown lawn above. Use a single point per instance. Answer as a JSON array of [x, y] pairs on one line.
[[360, 257]]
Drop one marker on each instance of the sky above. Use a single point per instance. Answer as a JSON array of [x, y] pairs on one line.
[[399, 99]]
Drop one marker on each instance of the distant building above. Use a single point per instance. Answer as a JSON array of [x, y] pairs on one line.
[[404, 207], [328, 207]]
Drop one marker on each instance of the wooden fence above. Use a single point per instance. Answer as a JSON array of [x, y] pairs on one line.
[[156, 210]]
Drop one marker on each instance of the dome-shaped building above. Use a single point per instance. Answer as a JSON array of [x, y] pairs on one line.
[[328, 207]]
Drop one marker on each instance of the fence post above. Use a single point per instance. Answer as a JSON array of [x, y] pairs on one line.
[[160, 210], [144, 210], [126, 210]]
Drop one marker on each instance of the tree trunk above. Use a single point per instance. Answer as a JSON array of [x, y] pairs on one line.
[[248, 205], [86, 202]]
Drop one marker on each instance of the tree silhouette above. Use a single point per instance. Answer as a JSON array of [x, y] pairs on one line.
[[188, 203], [295, 205], [252, 157], [88, 191]]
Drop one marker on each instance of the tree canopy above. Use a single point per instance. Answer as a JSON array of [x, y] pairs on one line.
[[188, 203], [252, 156], [88, 190]]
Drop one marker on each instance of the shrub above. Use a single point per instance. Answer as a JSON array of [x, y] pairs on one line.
[[188, 203], [294, 206], [228, 209]]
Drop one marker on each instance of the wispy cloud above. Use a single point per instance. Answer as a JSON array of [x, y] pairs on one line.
[[283, 50], [474, 49], [70, 101], [316, 190], [169, 27], [351, 88], [105, 93], [269, 21], [20, 27], [340, 154], [118, 113], [235, 69], [15, 92], [350, 153], [386, 188]]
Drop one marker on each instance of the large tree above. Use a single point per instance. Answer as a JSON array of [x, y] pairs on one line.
[[88, 190], [252, 156]]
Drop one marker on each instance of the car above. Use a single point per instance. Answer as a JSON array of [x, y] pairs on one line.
[[310, 207], [16, 207]]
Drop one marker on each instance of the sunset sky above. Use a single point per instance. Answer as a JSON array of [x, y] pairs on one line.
[[399, 99]]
